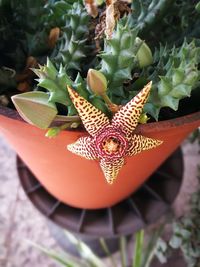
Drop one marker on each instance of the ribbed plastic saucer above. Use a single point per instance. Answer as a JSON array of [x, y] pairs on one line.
[[145, 206]]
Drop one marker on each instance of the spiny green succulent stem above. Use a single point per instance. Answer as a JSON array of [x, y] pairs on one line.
[[147, 13], [119, 57], [175, 75], [71, 47]]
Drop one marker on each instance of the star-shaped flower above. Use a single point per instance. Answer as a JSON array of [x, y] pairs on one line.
[[110, 142]]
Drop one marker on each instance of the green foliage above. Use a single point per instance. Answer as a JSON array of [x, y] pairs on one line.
[[175, 74], [165, 18], [146, 14], [119, 58], [186, 232], [22, 32], [142, 257], [35, 108], [71, 48], [183, 19], [56, 13], [139, 242], [56, 82], [25, 26]]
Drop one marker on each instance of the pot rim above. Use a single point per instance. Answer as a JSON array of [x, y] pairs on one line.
[[148, 127]]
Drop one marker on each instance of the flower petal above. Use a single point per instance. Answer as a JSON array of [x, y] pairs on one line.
[[111, 168], [140, 143], [92, 118], [84, 147], [128, 116]]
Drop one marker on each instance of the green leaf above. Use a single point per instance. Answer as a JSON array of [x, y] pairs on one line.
[[151, 247], [34, 107], [123, 251], [107, 251], [174, 75], [139, 242], [55, 256], [55, 82], [85, 251]]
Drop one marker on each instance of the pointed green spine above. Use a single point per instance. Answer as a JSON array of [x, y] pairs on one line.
[[119, 58], [176, 75], [71, 48], [147, 13]]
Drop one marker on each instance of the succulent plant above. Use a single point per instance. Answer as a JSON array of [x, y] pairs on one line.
[[119, 58], [71, 46], [80, 52], [175, 75], [186, 232]]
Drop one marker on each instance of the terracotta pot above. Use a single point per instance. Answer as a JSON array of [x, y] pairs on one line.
[[80, 182]]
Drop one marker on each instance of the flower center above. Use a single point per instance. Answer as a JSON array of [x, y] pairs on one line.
[[111, 143]]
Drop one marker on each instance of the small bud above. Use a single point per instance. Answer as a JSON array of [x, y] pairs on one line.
[[31, 62], [143, 118], [97, 82], [144, 54], [53, 37], [24, 87], [53, 132], [75, 125]]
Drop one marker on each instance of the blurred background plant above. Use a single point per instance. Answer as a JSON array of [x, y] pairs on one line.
[[146, 245], [142, 255], [185, 234], [186, 231]]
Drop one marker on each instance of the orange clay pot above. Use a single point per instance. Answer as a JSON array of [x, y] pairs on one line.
[[80, 182]]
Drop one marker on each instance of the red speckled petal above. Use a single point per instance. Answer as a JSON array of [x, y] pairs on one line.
[[84, 147], [111, 168], [92, 118], [140, 143], [128, 116]]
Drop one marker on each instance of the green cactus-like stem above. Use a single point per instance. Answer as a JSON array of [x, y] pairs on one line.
[[56, 11], [119, 58], [56, 82], [71, 47], [174, 78], [147, 13]]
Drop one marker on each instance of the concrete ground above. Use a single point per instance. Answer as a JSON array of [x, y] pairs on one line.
[[20, 221]]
